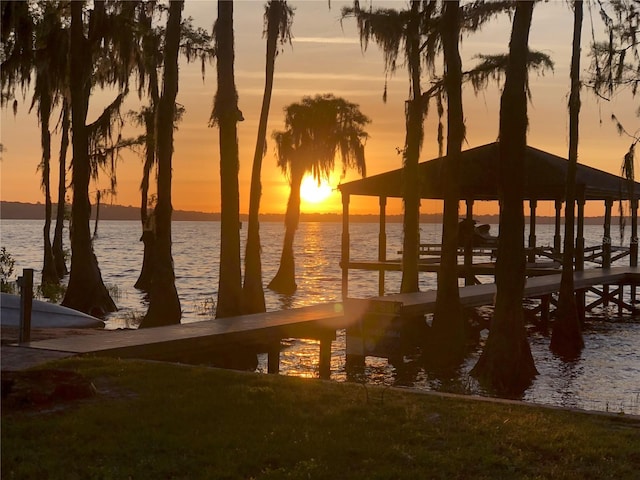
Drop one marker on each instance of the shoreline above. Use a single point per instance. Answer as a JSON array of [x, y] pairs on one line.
[[35, 211]]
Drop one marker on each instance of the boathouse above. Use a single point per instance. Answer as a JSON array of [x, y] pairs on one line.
[[380, 331], [545, 180]]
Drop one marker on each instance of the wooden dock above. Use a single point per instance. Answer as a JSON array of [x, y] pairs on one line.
[[182, 342], [380, 331], [365, 320], [478, 295]]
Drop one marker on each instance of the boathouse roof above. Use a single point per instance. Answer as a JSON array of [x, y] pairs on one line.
[[544, 178]]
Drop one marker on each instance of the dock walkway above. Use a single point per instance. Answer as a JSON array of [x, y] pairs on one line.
[[181, 342], [483, 294], [264, 331]]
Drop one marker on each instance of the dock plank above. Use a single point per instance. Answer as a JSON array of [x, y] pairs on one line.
[[317, 321]]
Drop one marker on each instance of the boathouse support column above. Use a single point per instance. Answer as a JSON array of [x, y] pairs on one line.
[[344, 258], [469, 278], [532, 230], [382, 243], [557, 240], [606, 247], [606, 238], [579, 253], [633, 248]]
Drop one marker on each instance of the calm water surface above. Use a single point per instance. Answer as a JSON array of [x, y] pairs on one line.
[[606, 377]]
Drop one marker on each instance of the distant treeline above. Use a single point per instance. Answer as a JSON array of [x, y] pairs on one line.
[[35, 211]]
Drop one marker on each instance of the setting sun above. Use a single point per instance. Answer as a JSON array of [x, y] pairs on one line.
[[313, 192]]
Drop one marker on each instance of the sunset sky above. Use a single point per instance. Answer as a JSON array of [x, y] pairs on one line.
[[326, 57]]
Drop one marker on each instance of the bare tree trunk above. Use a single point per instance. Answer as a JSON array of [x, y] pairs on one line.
[[148, 237], [410, 177], [566, 339], [506, 362], [285, 280], [449, 339], [49, 273], [164, 304], [86, 291], [227, 115], [58, 250], [252, 289]]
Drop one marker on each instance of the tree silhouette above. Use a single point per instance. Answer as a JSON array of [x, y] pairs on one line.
[[317, 129], [226, 115], [164, 304], [566, 339], [448, 332], [194, 43], [278, 18], [506, 362], [57, 247], [34, 40], [106, 41], [400, 32], [615, 66]]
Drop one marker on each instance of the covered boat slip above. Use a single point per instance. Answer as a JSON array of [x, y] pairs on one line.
[[390, 316], [478, 178]]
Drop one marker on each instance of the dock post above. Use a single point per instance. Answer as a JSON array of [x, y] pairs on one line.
[[557, 241], [532, 230], [620, 299], [469, 278], [579, 253], [545, 304], [355, 357], [382, 243], [606, 245], [606, 239], [633, 248], [325, 358], [273, 358], [354, 339], [26, 304], [344, 262]]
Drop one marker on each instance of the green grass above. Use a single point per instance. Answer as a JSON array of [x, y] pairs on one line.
[[163, 421]]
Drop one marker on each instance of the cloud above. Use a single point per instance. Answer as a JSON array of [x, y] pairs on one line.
[[320, 76], [340, 40]]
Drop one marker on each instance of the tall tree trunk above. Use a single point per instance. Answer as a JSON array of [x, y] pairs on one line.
[[506, 362], [49, 273], [86, 291], [410, 177], [285, 280], [252, 289], [58, 249], [164, 304], [148, 237], [566, 339], [449, 339], [227, 115]]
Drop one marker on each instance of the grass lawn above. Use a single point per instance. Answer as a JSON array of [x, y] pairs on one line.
[[163, 421]]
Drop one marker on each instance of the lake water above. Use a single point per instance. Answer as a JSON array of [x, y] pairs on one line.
[[606, 377]]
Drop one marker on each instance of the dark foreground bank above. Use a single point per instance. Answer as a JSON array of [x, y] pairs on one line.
[[153, 420]]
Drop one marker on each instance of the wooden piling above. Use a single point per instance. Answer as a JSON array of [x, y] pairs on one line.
[[26, 303]]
